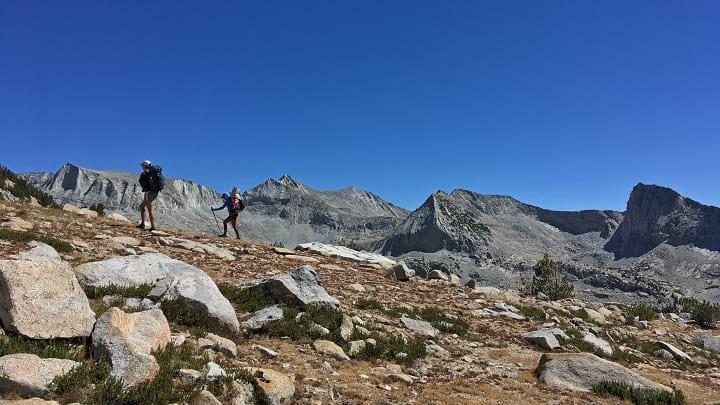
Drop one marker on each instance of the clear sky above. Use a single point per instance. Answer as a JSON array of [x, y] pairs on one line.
[[562, 104]]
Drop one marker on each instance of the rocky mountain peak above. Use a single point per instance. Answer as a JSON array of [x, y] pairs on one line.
[[286, 180], [657, 215]]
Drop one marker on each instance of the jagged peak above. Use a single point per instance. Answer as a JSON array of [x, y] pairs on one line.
[[286, 180]]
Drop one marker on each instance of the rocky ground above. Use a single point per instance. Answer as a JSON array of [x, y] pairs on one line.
[[396, 338]]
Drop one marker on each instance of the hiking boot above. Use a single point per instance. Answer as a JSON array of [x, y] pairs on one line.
[[140, 226], [222, 235]]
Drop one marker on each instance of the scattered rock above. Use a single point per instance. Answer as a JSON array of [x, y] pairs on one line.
[[438, 275], [126, 241], [594, 316], [356, 347], [402, 272], [328, 348], [277, 386], [399, 377], [598, 343], [265, 351], [580, 371], [29, 375], [43, 300], [213, 371], [346, 253], [222, 344], [188, 376], [118, 218], [708, 341], [298, 288], [346, 327], [205, 398], [16, 224], [543, 338], [129, 339], [244, 393], [677, 353], [356, 287], [304, 259], [419, 327], [258, 319], [185, 283], [40, 252]]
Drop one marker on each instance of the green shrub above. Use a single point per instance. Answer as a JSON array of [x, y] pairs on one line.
[[388, 348], [705, 314], [57, 349], [643, 311], [183, 314], [23, 190], [161, 390], [245, 299], [80, 377], [639, 396], [99, 208], [297, 329], [549, 280], [21, 236], [126, 292], [436, 317], [535, 313]]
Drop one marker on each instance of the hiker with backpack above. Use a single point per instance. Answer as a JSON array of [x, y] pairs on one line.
[[151, 182], [234, 205]]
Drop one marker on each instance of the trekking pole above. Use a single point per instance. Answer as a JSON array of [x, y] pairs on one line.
[[216, 220]]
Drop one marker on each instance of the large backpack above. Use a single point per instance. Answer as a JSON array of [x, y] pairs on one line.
[[238, 204], [158, 181]]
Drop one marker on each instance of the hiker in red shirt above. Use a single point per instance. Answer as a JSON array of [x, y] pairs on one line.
[[234, 205]]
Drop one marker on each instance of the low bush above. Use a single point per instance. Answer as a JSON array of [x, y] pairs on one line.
[[304, 326], [643, 311], [639, 396], [535, 313], [21, 236], [244, 299], [99, 208], [704, 313], [126, 292], [389, 347], [369, 304], [436, 317], [183, 314], [57, 349]]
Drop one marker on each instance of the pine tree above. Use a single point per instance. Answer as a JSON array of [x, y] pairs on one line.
[[549, 280]]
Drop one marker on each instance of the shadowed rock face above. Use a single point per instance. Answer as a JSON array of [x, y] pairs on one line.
[[657, 215]]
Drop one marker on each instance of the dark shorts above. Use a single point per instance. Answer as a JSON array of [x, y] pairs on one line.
[[232, 214], [150, 196]]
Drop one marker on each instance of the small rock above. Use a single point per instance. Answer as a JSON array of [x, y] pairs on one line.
[[29, 375], [677, 353], [346, 327], [205, 398], [543, 338], [328, 348], [356, 347], [402, 272], [356, 287], [258, 319], [598, 343], [438, 275], [188, 376], [399, 377], [213, 371], [265, 351], [419, 327], [222, 344]]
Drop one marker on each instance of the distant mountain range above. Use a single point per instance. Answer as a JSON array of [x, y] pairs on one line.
[[663, 243]]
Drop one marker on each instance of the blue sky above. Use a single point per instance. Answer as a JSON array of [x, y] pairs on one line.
[[562, 104]]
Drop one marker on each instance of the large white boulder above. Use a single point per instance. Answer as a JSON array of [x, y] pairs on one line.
[[580, 371], [298, 288], [28, 375], [40, 252], [177, 280], [43, 300], [128, 339]]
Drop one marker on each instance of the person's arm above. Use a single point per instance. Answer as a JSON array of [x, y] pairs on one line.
[[219, 209]]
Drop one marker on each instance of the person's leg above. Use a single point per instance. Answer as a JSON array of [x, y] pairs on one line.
[[225, 222], [234, 225], [142, 212], [151, 214]]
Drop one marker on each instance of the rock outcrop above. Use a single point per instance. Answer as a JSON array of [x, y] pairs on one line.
[[29, 375], [299, 288], [580, 371], [657, 215], [43, 300], [128, 340], [177, 280]]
